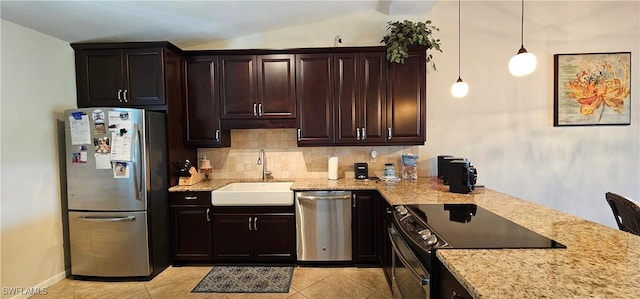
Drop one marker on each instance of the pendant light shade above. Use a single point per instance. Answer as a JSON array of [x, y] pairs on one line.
[[460, 88], [524, 63]]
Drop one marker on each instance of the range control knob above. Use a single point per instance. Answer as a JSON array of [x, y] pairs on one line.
[[402, 210], [424, 233], [431, 240]]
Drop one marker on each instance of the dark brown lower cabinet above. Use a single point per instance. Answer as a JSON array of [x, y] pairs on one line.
[[191, 229], [447, 285], [365, 237], [261, 234], [384, 243]]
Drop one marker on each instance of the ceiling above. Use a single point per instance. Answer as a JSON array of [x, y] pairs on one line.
[[185, 23]]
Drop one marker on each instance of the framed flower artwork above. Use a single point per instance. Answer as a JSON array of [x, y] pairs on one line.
[[592, 89]]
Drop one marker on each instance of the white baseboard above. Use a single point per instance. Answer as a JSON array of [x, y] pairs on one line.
[[41, 287]]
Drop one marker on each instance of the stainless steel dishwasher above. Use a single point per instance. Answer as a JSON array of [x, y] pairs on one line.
[[323, 224]]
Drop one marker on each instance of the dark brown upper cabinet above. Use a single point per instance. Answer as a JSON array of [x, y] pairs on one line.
[[202, 117], [406, 100], [257, 87], [127, 77], [314, 91], [360, 96], [355, 97]]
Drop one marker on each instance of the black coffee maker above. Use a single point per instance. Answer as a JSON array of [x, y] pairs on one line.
[[361, 170], [462, 176], [444, 166]]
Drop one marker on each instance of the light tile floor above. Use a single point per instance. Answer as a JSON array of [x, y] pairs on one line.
[[177, 282]]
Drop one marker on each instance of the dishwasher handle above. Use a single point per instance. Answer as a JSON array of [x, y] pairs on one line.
[[345, 196]]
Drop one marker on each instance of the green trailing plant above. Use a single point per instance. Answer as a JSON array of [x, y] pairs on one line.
[[401, 35]]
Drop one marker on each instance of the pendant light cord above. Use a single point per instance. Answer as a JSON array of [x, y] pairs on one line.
[[459, 39], [522, 26]]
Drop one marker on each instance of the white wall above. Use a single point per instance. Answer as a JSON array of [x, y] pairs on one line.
[[38, 83], [505, 124]]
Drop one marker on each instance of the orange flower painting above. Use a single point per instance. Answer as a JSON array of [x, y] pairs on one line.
[[592, 89]]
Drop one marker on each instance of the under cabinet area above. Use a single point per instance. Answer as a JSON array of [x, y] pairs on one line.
[[191, 230], [126, 74], [254, 234]]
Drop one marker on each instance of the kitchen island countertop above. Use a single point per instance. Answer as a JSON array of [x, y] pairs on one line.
[[599, 261]]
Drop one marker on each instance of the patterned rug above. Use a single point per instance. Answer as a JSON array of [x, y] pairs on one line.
[[246, 279]]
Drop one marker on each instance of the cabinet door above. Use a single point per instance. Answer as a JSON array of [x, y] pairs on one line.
[[99, 77], [275, 238], [406, 100], [363, 224], [238, 92], [360, 98], [347, 98], [373, 97], [192, 235], [276, 86], [384, 243], [233, 235], [143, 77], [314, 90], [201, 102]]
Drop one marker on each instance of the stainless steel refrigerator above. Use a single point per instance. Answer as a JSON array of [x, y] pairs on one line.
[[117, 185]]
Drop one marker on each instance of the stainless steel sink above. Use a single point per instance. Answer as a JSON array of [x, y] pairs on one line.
[[254, 194]]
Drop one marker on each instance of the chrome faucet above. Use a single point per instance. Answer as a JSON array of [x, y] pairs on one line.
[[262, 160]]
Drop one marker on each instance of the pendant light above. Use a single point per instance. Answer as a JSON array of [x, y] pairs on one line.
[[460, 88], [524, 63]]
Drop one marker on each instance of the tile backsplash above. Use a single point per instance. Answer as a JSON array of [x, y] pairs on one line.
[[286, 160]]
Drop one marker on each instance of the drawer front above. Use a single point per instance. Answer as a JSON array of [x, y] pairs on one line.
[[190, 198]]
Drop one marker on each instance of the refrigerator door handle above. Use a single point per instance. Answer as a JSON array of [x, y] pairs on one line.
[[138, 177], [106, 219]]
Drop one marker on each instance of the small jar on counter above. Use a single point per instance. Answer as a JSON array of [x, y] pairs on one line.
[[389, 170]]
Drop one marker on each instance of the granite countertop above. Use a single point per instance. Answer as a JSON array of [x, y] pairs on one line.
[[599, 261]]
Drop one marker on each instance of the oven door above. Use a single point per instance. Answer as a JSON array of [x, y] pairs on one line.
[[409, 278]]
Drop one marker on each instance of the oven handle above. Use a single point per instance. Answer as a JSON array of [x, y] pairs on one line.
[[423, 280]]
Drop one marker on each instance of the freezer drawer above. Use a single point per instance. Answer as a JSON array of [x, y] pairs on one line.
[[323, 224], [109, 244]]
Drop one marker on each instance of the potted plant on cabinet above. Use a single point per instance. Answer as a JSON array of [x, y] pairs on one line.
[[402, 34]]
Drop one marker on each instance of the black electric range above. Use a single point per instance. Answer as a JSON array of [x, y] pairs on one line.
[[427, 228], [462, 226]]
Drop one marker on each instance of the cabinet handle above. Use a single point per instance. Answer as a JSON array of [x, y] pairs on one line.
[[255, 223], [364, 133], [208, 218], [255, 109], [260, 109], [124, 96], [190, 197], [120, 95], [299, 134], [354, 200], [250, 224], [218, 135], [357, 133], [389, 133]]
